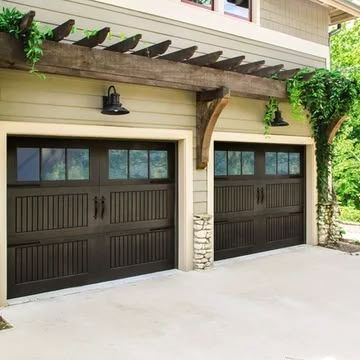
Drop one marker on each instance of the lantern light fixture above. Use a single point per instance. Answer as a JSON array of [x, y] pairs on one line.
[[111, 103], [278, 119]]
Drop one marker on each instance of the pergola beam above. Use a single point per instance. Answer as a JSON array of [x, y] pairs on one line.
[[206, 59], [80, 61], [62, 31], [95, 39], [248, 68], [267, 71], [180, 55], [26, 21], [228, 64], [125, 45], [153, 50]]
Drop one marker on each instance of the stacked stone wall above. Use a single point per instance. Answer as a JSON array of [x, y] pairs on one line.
[[203, 248]]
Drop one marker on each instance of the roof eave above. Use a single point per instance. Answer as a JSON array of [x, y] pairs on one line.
[[341, 10]]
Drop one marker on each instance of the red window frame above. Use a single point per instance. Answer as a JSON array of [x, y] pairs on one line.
[[200, 5], [241, 17]]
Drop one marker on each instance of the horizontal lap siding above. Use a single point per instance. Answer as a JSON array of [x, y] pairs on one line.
[[246, 116], [95, 15], [303, 19]]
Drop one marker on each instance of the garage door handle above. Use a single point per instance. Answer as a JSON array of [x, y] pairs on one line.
[[102, 207], [257, 195], [262, 195], [95, 207]]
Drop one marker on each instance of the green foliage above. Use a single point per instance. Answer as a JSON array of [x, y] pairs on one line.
[[345, 57], [349, 214], [271, 108], [32, 39], [327, 96], [346, 164], [323, 99]]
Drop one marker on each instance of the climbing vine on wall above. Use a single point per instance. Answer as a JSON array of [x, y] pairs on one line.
[[324, 98], [32, 38]]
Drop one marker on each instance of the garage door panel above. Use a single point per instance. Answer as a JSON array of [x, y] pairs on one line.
[[41, 265], [141, 248], [141, 205], [279, 195], [235, 237], [83, 221], [44, 211], [230, 198], [262, 211], [283, 227]]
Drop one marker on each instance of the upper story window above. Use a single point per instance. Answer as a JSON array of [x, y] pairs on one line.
[[238, 8], [204, 3]]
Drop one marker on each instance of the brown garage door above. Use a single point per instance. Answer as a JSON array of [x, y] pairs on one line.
[[259, 198], [81, 211]]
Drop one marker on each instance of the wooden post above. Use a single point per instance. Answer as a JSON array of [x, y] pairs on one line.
[[209, 105]]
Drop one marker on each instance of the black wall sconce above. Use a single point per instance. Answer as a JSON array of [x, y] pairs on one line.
[[278, 120], [112, 105]]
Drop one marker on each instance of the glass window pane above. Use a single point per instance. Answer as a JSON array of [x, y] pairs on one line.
[[52, 164], [139, 164], [220, 163], [241, 10], [248, 163], [294, 163], [158, 164], [270, 163], [207, 3], [283, 163], [118, 164], [78, 164], [28, 164], [234, 163]]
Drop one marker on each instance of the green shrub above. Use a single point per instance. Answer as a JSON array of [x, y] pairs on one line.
[[349, 214]]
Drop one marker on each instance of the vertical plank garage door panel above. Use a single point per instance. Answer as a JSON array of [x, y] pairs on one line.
[[71, 221], [259, 198]]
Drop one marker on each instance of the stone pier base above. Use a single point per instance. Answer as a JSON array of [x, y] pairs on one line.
[[203, 247]]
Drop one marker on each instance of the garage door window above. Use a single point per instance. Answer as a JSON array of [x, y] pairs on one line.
[[282, 163], [28, 164], [232, 163], [138, 164], [52, 164]]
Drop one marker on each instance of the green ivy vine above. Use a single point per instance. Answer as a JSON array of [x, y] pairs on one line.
[[271, 108], [32, 39], [323, 98]]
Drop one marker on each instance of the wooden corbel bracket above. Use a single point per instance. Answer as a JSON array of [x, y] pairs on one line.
[[209, 105], [334, 127]]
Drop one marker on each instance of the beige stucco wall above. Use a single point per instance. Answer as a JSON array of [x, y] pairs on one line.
[[303, 19], [95, 14]]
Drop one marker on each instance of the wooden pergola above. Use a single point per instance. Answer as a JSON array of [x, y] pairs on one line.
[[212, 79]]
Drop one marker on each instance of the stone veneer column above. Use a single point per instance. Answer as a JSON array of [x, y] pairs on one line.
[[203, 248]]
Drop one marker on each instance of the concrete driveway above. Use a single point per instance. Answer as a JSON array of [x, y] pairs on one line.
[[295, 304]]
